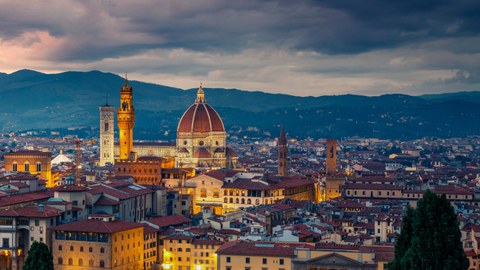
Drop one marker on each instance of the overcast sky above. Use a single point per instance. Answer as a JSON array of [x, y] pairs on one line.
[[297, 47]]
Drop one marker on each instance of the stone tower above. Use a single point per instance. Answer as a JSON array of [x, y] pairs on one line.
[[126, 121], [331, 155], [282, 154], [107, 116], [333, 181]]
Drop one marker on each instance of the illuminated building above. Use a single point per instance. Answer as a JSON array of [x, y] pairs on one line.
[[107, 133], [201, 138], [282, 154], [126, 121], [20, 227], [100, 242], [187, 252], [226, 191], [30, 161], [145, 170], [150, 245], [333, 181]]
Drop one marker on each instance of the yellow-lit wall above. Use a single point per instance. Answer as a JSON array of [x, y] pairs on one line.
[[32, 159], [184, 253], [256, 262]]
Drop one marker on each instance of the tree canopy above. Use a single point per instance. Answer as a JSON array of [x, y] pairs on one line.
[[39, 258], [430, 238]]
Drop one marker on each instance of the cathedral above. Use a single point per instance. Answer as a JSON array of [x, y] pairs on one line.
[[200, 144]]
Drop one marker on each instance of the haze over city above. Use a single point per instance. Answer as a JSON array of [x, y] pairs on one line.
[[293, 47]]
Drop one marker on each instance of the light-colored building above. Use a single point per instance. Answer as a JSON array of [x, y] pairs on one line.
[[107, 133], [20, 227], [100, 242], [226, 191]]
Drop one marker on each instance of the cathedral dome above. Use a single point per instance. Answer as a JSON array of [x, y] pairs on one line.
[[200, 117]]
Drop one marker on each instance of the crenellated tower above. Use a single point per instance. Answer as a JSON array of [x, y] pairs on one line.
[[126, 121], [282, 154]]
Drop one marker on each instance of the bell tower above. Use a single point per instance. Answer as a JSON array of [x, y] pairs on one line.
[[331, 155], [282, 154], [126, 121], [107, 115]]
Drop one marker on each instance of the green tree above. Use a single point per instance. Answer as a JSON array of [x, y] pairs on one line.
[[39, 258], [404, 240], [435, 241]]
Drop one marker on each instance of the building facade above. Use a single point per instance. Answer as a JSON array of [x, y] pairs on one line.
[[107, 133], [31, 161], [98, 243]]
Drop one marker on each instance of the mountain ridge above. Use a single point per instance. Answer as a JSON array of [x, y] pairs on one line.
[[38, 100]]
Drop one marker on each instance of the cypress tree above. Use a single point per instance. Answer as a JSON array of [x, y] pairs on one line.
[[435, 242], [39, 258]]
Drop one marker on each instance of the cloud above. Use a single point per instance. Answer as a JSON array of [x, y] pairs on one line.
[[300, 47]]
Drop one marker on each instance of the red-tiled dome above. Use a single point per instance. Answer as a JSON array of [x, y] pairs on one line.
[[200, 117]]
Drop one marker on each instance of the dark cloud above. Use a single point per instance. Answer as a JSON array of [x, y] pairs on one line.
[[96, 29]]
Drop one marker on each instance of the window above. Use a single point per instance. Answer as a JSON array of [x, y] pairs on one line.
[[264, 261], [90, 262], [281, 262], [60, 260], [81, 249], [229, 259], [80, 262], [27, 167], [90, 249], [70, 261], [71, 248], [203, 193], [14, 167], [102, 250], [39, 166], [102, 264], [247, 260], [60, 247], [5, 243]]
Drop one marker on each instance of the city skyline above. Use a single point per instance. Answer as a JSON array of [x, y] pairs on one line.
[[299, 48]]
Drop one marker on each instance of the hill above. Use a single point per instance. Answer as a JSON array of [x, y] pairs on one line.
[[34, 100]]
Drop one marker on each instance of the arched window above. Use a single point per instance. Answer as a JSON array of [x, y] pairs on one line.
[[102, 264], [225, 200], [249, 201], [216, 193], [243, 201], [60, 247], [70, 261], [14, 166], [236, 200], [102, 250], [80, 262], [90, 263], [231, 200], [203, 193], [90, 249], [225, 192], [257, 201], [81, 249], [27, 167], [71, 248], [106, 127], [60, 260]]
